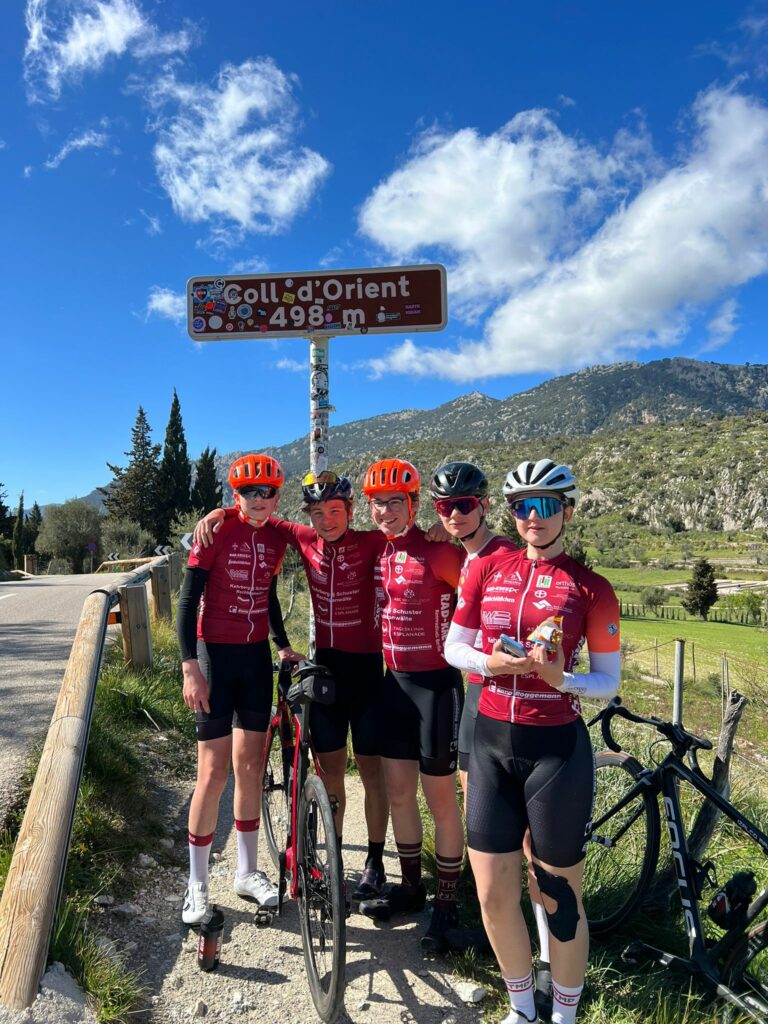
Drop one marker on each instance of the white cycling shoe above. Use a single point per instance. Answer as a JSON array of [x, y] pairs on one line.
[[257, 887], [195, 903], [513, 1017]]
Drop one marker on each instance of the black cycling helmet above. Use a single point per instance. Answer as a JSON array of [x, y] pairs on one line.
[[458, 480], [326, 486]]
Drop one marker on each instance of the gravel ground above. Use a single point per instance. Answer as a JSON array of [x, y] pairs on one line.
[[261, 975]]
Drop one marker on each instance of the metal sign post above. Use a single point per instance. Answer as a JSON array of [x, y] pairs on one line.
[[319, 403]]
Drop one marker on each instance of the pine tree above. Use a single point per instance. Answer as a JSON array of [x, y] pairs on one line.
[[207, 492], [702, 589], [6, 520], [17, 546], [134, 493], [175, 472]]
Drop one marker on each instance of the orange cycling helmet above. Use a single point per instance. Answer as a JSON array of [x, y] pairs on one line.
[[391, 475], [255, 469]]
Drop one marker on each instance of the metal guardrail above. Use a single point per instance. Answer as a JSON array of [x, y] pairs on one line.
[[36, 874]]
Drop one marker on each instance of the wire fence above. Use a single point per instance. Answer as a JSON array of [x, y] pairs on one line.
[[712, 675]]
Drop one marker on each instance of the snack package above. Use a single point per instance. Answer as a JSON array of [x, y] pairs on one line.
[[548, 633]]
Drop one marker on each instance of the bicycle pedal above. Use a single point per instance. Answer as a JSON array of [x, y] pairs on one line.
[[634, 953], [263, 917]]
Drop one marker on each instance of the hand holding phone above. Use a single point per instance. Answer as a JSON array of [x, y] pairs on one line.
[[513, 647]]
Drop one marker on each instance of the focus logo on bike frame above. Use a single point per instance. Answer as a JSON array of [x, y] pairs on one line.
[[674, 838], [378, 300]]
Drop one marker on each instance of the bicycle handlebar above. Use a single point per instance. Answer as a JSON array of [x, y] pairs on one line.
[[682, 741]]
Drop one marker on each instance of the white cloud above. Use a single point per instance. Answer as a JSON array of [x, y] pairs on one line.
[[722, 327], [153, 223], [88, 140], [250, 265], [293, 365], [60, 50], [27, 172], [166, 303], [667, 245], [227, 154]]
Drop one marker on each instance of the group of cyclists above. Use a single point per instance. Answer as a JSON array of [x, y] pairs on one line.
[[434, 609]]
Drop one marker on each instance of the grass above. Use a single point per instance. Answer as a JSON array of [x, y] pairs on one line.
[[115, 817]]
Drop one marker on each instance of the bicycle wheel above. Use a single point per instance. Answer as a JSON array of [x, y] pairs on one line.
[[623, 845], [745, 970], [276, 794], [321, 900]]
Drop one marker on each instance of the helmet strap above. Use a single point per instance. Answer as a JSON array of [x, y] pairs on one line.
[[543, 547]]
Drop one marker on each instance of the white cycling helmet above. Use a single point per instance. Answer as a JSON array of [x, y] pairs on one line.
[[542, 476]]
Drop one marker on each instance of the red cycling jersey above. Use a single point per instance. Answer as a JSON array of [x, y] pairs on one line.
[[509, 593], [491, 545], [417, 580], [340, 577], [241, 561]]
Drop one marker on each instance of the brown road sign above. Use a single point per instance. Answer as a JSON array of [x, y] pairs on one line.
[[377, 300]]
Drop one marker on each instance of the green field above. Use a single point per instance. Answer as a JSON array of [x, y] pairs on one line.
[[748, 643]]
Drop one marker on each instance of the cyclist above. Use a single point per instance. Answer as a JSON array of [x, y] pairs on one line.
[[422, 696], [339, 563], [459, 491], [227, 670], [531, 764]]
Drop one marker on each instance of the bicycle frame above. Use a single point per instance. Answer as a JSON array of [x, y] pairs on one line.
[[295, 736], [702, 962]]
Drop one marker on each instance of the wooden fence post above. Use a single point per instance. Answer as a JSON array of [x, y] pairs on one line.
[[160, 577], [175, 560], [30, 564], [134, 616]]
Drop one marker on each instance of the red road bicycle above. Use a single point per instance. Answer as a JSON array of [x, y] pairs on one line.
[[299, 826]]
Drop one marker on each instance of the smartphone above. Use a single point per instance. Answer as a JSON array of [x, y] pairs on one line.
[[510, 646]]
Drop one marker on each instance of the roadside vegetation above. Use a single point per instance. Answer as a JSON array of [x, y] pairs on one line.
[[140, 732]]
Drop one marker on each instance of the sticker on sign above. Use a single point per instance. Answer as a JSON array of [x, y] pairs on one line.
[[377, 300]]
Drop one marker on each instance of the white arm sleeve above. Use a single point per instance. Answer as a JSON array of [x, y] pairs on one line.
[[460, 650], [602, 680]]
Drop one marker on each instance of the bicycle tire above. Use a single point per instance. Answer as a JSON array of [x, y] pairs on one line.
[[276, 795], [322, 911], [745, 969], [622, 846]]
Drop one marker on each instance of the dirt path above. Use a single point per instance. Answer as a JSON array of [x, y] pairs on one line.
[[261, 976]]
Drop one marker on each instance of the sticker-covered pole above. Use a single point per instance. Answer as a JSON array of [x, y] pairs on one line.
[[319, 403]]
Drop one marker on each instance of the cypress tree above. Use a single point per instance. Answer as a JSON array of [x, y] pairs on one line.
[[32, 528], [6, 520], [134, 492], [702, 589], [207, 492], [175, 471], [17, 546]]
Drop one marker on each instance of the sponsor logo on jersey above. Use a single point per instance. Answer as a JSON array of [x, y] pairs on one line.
[[401, 556], [541, 605], [516, 577], [461, 602], [613, 629], [497, 618], [544, 581], [539, 593], [566, 584]]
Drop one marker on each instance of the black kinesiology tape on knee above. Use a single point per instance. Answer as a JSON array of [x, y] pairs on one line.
[[562, 923]]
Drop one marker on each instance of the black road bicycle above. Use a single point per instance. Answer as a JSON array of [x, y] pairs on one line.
[[300, 829], [623, 852]]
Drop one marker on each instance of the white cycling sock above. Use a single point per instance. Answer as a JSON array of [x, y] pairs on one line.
[[542, 926], [565, 1003], [247, 846], [199, 852], [521, 995]]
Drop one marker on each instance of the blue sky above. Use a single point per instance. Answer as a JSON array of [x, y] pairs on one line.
[[594, 176]]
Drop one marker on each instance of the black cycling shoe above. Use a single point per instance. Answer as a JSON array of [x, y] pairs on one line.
[[542, 994], [397, 899], [434, 939], [371, 883]]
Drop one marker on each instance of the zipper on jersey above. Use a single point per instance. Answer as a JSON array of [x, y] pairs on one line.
[[330, 591], [521, 608], [388, 596], [253, 583]]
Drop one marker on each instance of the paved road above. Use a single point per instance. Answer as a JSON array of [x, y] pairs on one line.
[[38, 620]]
